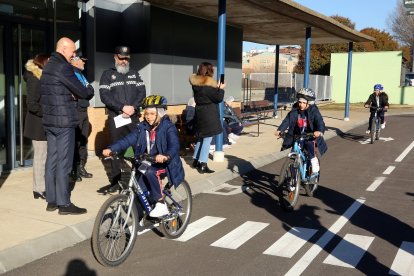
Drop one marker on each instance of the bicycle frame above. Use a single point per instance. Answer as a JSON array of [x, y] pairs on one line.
[[300, 158]]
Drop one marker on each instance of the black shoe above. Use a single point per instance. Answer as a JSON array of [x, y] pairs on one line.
[[41, 195], [203, 168], [72, 209], [195, 163], [82, 171], [76, 176], [114, 188], [51, 207]]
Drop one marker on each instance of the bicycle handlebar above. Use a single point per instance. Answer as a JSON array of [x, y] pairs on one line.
[[133, 160], [305, 136]]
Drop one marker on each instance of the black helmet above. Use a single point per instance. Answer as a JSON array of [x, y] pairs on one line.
[[154, 101], [306, 93]]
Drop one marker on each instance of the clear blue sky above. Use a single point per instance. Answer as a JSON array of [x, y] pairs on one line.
[[364, 13]]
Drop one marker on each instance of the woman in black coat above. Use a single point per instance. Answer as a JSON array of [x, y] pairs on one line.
[[207, 94], [33, 127]]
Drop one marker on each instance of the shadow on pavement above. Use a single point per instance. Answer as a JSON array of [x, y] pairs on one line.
[[3, 178], [78, 267], [355, 137]]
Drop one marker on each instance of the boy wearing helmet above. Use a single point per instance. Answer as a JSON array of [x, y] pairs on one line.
[[158, 137], [377, 99], [305, 118]]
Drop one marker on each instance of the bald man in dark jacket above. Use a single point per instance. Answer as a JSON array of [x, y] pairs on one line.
[[60, 89]]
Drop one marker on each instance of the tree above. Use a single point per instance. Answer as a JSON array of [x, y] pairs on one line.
[[383, 41], [402, 25]]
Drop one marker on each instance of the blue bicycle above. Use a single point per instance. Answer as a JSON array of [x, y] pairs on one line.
[[296, 172], [116, 224]]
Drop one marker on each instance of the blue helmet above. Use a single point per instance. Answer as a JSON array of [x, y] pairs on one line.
[[379, 87]]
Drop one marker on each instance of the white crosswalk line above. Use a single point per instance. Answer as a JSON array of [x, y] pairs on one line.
[[349, 251], [403, 263], [198, 227], [389, 170], [240, 235], [290, 242], [405, 152], [378, 181]]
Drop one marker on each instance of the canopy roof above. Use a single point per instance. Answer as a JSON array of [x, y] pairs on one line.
[[281, 22]]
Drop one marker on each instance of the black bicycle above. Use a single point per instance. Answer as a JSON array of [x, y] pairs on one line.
[[375, 124], [116, 224]]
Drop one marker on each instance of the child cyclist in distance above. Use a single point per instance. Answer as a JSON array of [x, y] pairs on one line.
[[158, 137], [305, 118], [377, 99]]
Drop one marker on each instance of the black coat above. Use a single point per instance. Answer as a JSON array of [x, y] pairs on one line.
[[33, 127], [207, 97], [117, 90], [60, 89], [383, 100]]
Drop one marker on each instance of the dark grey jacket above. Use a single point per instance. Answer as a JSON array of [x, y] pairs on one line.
[[60, 89]]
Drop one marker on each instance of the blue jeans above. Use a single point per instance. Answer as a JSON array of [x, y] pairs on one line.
[[202, 149]]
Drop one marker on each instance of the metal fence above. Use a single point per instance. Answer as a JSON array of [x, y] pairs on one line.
[[261, 86]]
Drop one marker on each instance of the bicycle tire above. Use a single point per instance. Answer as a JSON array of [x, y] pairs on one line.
[[373, 129], [378, 131], [289, 185], [174, 225], [108, 234], [311, 187]]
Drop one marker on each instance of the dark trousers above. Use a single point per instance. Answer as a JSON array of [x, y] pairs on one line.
[[381, 116], [153, 182], [116, 134], [60, 149], [82, 133], [309, 146]]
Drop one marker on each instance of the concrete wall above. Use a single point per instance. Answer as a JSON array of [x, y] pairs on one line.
[[367, 70]]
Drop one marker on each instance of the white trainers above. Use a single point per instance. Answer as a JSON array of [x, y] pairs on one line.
[[383, 126], [368, 131], [233, 136], [232, 141], [315, 165], [159, 210]]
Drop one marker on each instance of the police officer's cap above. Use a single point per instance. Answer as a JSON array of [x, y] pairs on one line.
[[123, 52], [79, 55]]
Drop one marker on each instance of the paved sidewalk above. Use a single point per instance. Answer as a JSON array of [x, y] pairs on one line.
[[28, 232]]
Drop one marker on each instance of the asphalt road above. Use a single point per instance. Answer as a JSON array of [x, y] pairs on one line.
[[360, 222]]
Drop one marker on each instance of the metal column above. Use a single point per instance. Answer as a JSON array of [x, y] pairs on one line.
[[221, 51], [307, 57], [275, 96], [348, 81]]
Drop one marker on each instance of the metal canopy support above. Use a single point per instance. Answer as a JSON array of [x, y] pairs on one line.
[[307, 57], [221, 51], [348, 81], [275, 96]]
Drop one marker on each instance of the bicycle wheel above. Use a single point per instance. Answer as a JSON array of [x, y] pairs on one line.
[[373, 129], [289, 183], [114, 232], [311, 187], [180, 202]]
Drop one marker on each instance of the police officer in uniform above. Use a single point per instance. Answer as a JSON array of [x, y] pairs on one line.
[[122, 91]]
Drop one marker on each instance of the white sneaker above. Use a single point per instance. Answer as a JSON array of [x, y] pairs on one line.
[[226, 146], [232, 141], [315, 165], [368, 131], [159, 210], [383, 126], [233, 136]]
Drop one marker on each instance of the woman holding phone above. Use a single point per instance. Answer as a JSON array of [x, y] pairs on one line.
[[208, 93]]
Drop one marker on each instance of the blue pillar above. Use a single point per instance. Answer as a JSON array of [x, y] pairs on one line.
[[275, 97], [307, 57], [348, 80], [221, 51]]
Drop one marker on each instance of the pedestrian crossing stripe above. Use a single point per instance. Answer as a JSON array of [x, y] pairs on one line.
[[240, 235], [349, 251], [290, 242]]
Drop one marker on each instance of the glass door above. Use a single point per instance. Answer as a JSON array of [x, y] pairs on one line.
[[3, 139], [28, 42]]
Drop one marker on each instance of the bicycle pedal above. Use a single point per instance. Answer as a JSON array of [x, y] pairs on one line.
[[291, 188]]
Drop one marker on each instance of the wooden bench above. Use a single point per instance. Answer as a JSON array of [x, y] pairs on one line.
[[245, 121]]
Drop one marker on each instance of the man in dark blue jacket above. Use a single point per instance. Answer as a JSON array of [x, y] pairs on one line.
[[305, 118], [60, 90], [122, 91]]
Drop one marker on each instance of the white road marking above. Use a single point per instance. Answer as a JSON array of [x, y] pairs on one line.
[[403, 263], [376, 183], [311, 254], [349, 251], [389, 170], [240, 235], [405, 152], [290, 242], [368, 141], [198, 227]]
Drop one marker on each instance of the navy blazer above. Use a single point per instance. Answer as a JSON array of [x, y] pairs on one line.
[[166, 141]]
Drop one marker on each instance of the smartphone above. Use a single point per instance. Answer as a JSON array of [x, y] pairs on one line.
[[222, 78]]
